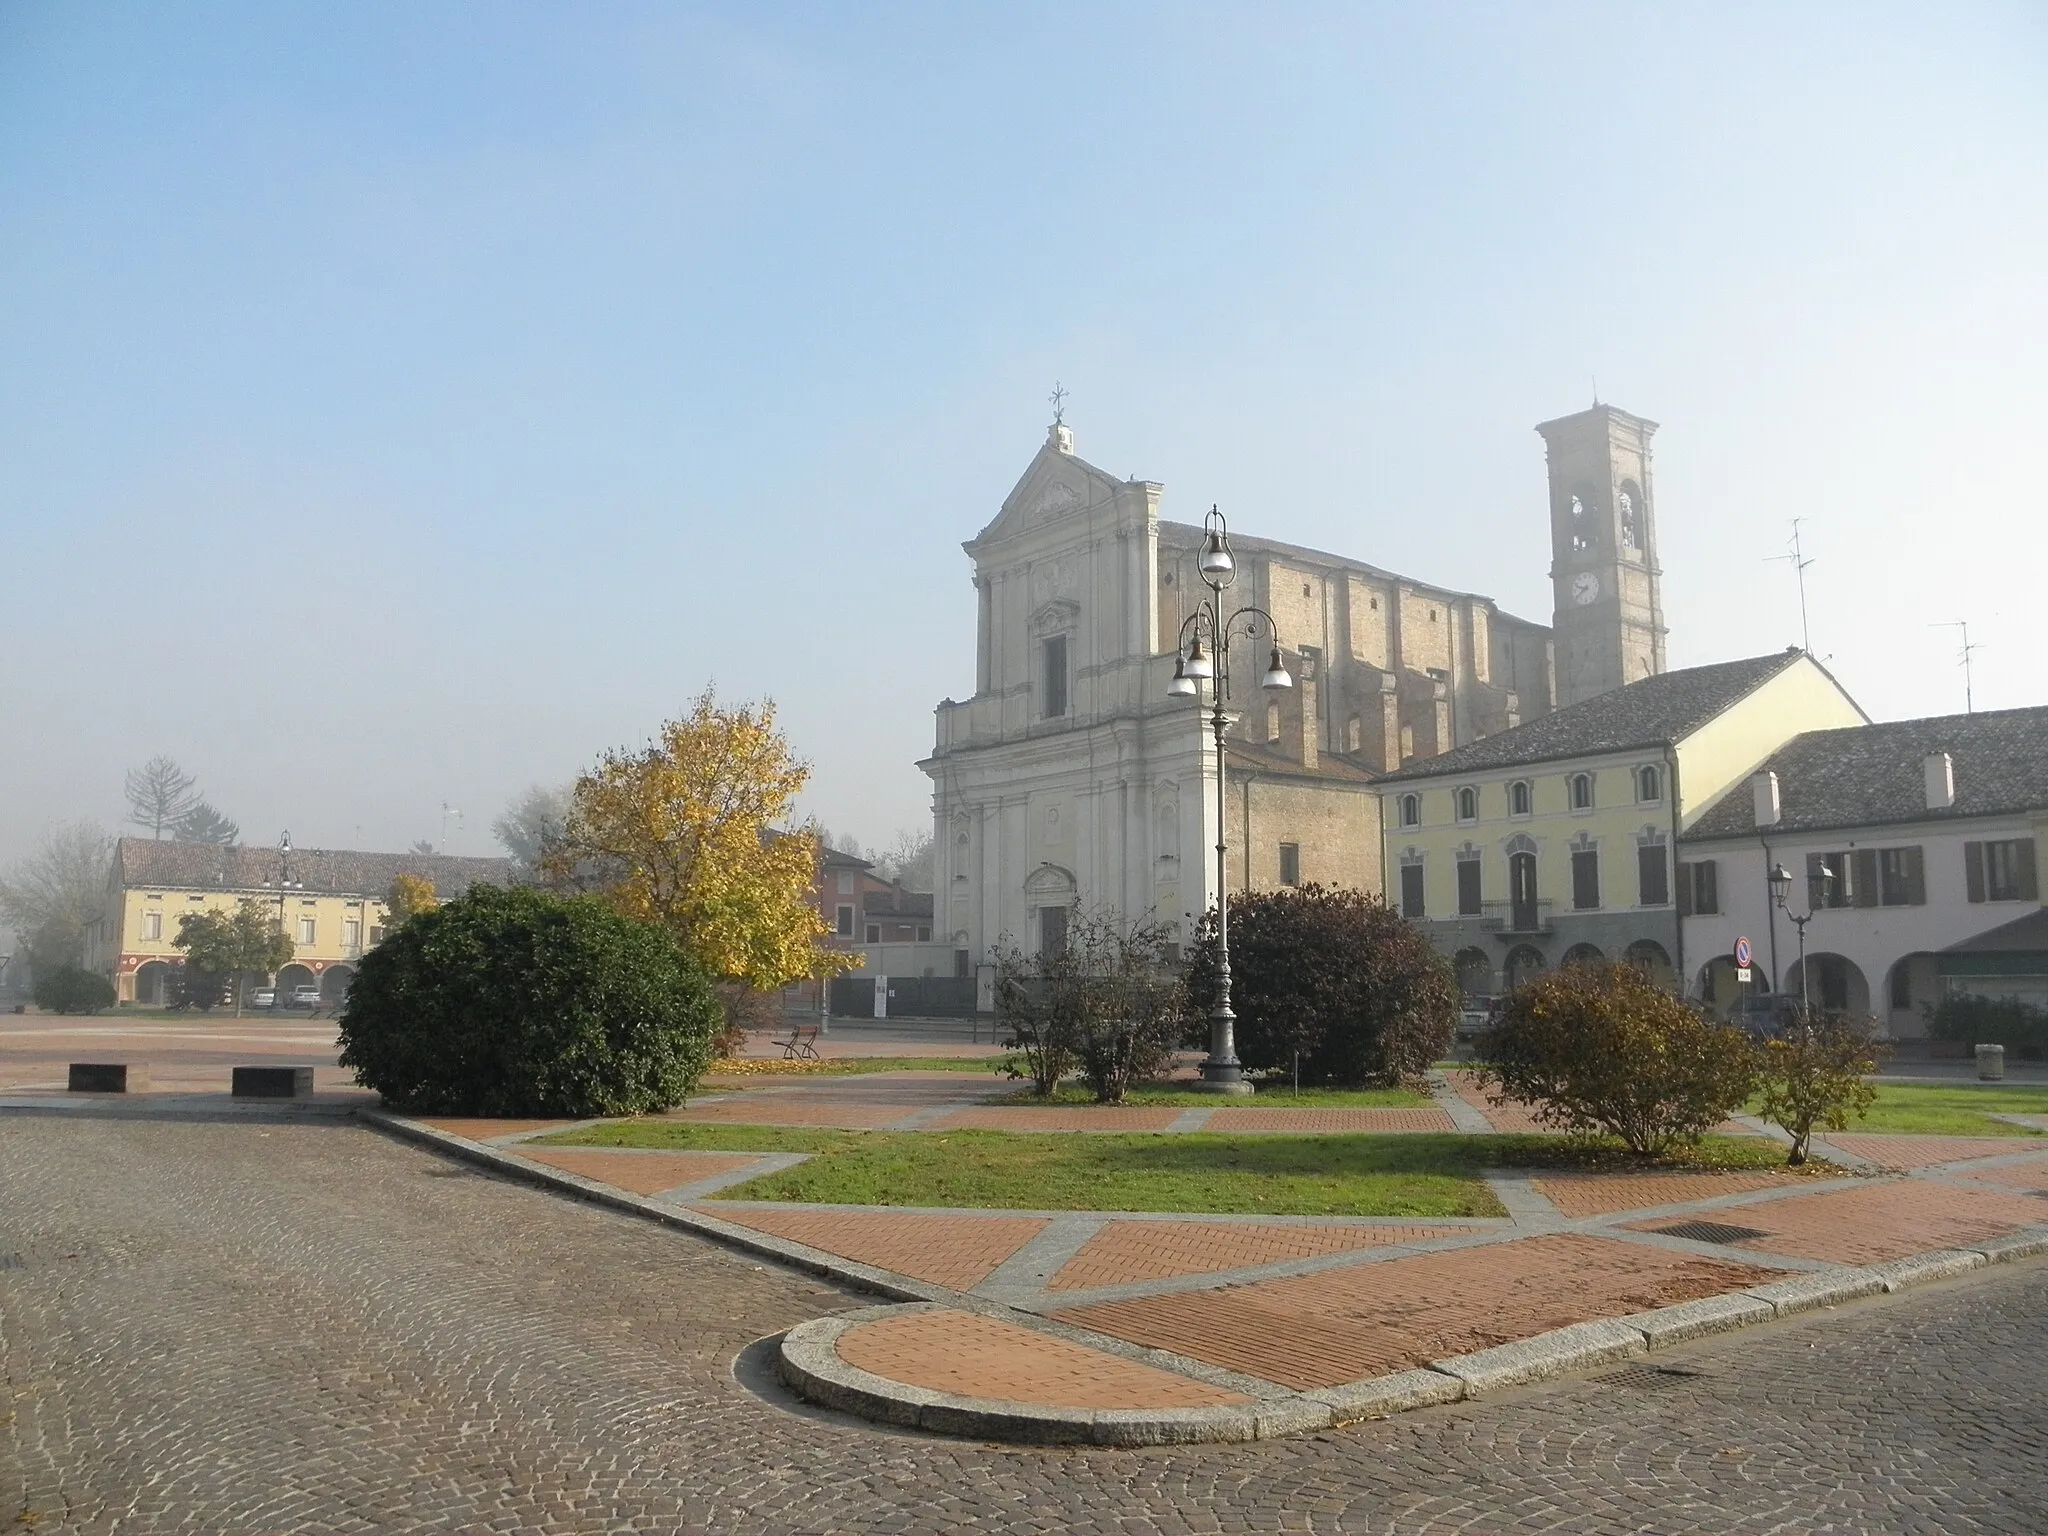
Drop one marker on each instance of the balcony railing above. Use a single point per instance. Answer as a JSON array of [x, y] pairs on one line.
[[1516, 916]]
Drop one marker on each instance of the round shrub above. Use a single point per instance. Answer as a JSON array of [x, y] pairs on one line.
[[1604, 1048], [1336, 975], [68, 989], [518, 1002]]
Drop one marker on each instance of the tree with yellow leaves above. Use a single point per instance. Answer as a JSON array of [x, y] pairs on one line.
[[683, 833]]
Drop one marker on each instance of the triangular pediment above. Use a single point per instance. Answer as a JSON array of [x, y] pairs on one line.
[[1054, 485]]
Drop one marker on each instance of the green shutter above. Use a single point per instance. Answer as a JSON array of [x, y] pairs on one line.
[[2023, 870], [1685, 889], [1710, 886], [1863, 882], [1973, 869], [1916, 878]]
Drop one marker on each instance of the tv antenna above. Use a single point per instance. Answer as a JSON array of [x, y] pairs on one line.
[[448, 814], [1968, 650], [1799, 562]]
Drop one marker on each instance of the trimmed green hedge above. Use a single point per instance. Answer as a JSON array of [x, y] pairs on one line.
[[518, 1002]]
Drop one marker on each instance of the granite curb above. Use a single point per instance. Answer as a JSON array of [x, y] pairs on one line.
[[808, 1361], [860, 1277]]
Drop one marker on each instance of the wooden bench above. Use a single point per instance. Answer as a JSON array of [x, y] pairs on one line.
[[802, 1044]]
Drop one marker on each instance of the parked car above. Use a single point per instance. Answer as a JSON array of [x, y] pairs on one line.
[[263, 997], [305, 997]]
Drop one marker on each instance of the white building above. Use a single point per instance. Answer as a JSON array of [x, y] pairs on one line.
[[1070, 779], [1903, 839]]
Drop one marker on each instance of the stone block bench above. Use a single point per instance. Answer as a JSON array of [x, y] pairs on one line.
[[272, 1082], [107, 1077]]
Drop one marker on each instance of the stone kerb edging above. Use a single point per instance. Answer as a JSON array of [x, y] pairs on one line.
[[861, 1277], [808, 1360]]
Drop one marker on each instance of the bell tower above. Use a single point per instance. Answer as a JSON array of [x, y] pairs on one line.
[[1608, 619]]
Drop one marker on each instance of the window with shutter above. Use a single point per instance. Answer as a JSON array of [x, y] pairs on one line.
[[1707, 893], [1585, 878], [1863, 883], [1411, 890], [1651, 877], [1469, 891], [1685, 879], [1973, 870]]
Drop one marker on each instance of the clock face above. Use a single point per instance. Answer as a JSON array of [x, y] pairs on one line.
[[1585, 587]]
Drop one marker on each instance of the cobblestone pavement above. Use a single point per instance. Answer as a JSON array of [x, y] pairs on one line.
[[244, 1328]]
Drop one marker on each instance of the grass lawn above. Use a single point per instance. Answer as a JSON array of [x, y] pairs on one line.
[[1343, 1175], [1274, 1096], [1931, 1109]]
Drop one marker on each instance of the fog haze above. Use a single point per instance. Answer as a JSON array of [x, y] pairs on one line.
[[401, 404]]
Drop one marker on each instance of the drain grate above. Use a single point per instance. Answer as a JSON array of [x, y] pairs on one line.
[[1640, 1377], [1710, 1232]]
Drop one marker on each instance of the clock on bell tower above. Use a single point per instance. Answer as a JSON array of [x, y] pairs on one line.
[[1608, 619]]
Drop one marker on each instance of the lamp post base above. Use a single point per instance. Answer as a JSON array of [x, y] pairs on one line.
[[1234, 1085]]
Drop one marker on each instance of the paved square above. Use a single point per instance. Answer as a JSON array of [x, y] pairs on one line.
[[969, 1355], [1908, 1152], [1599, 1194], [1883, 1221], [1129, 1251], [1321, 1329], [956, 1251], [642, 1173]]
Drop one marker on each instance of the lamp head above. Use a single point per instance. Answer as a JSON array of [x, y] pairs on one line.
[[1182, 686], [1276, 677], [1780, 881], [1197, 663]]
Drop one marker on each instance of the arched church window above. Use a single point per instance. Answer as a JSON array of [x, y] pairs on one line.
[[1649, 784], [1581, 526], [1518, 798], [1411, 810], [1582, 791], [1354, 734], [1468, 804]]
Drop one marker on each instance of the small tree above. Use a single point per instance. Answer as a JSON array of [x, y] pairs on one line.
[[1332, 984], [52, 894], [69, 989], [1815, 1076], [1111, 1000], [1604, 1048], [204, 824], [519, 1002], [160, 795], [409, 895], [684, 833], [235, 945]]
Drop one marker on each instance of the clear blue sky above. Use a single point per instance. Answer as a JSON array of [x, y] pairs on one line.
[[400, 403]]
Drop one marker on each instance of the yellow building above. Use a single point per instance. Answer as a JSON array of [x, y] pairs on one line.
[[329, 902], [1553, 842]]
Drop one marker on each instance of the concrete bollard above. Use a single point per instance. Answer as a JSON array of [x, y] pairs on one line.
[[271, 1082], [1991, 1063], [107, 1077]]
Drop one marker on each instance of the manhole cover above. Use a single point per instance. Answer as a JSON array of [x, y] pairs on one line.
[[1710, 1232], [1650, 1376]]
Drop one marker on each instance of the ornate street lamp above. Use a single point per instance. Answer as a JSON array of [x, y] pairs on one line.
[[1780, 881], [1203, 655]]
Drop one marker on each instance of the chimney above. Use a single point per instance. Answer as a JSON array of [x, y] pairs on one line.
[[1940, 772], [1764, 787], [1305, 685]]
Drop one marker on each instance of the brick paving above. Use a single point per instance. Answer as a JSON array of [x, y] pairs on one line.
[[236, 1329], [475, 1129], [1027, 1118], [1602, 1194], [1512, 1116], [1321, 1329], [1907, 1152], [1125, 1252], [642, 1173], [1309, 1121], [2031, 1176], [1888, 1220], [973, 1356], [956, 1251]]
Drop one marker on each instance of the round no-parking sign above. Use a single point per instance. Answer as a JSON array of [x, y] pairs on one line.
[[1743, 953]]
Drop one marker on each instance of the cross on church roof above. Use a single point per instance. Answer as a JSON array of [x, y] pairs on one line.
[[1059, 403]]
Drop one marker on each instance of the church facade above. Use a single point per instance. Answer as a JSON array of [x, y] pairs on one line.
[[1071, 780]]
